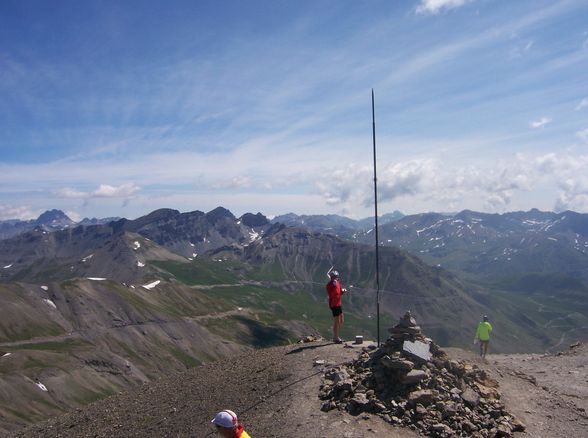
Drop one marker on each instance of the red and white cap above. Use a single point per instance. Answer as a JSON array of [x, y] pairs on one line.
[[226, 419]]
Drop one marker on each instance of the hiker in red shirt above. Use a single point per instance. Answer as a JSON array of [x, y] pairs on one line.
[[334, 290], [228, 426]]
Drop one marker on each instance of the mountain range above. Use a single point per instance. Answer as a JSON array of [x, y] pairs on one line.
[[97, 308], [50, 220]]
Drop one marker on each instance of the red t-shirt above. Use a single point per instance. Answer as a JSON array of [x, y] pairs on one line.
[[334, 291]]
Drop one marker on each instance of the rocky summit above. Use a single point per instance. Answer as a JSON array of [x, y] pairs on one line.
[[411, 382]]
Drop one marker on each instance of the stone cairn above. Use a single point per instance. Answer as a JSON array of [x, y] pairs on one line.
[[411, 382]]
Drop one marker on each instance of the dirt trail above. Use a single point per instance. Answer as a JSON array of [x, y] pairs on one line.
[[275, 393], [548, 392], [82, 334]]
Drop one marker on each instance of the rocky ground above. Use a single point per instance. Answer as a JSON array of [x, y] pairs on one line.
[[547, 392], [411, 382], [276, 394]]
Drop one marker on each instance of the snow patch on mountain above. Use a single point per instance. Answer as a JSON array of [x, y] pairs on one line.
[[253, 236], [41, 386], [151, 285], [51, 303]]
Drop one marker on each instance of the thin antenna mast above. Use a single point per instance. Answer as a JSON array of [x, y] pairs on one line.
[[376, 219]]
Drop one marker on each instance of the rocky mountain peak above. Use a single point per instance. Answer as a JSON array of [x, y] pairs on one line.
[[53, 218], [218, 214], [254, 220]]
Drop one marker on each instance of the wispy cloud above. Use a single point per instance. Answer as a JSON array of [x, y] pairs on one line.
[[17, 212], [521, 50], [542, 122], [583, 104], [124, 191], [436, 6], [583, 135], [493, 186]]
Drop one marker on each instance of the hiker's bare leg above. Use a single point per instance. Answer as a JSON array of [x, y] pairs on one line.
[[337, 323]]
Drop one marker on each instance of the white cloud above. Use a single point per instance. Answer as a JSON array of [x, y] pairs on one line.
[[17, 212], [73, 215], [573, 194], [445, 185], [436, 6], [540, 123], [583, 103], [407, 179], [103, 191]]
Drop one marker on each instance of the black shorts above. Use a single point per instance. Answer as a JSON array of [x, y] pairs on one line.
[[337, 310]]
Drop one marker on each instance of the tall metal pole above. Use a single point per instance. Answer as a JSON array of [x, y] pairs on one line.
[[376, 219]]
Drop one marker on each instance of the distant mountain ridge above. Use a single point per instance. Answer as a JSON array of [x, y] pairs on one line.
[[494, 244], [50, 220], [113, 249], [335, 224]]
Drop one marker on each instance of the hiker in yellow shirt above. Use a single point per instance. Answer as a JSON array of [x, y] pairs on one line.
[[483, 336]]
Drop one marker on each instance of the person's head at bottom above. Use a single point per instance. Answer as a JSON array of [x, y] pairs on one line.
[[226, 423]]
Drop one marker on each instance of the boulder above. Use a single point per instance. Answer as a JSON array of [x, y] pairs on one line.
[[471, 398], [441, 428], [417, 349], [358, 404], [503, 430], [339, 375], [518, 426], [376, 406], [341, 389], [409, 331], [419, 412], [407, 320], [424, 397], [328, 406], [487, 392], [397, 363], [414, 376]]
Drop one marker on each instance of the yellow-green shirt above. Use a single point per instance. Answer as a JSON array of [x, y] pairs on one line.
[[484, 330]]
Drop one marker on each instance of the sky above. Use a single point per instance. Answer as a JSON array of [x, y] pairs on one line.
[[112, 108]]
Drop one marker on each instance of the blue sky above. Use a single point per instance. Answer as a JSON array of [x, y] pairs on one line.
[[119, 108]]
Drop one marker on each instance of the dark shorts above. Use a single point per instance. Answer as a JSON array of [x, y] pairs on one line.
[[337, 310], [485, 342]]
